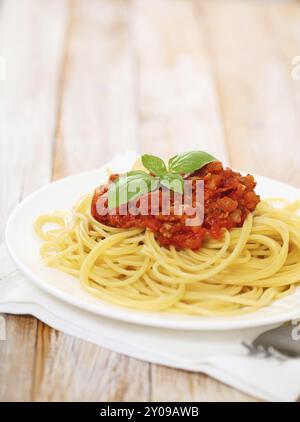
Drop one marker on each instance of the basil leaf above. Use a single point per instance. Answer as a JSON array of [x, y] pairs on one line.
[[173, 182], [154, 164], [189, 162], [130, 186]]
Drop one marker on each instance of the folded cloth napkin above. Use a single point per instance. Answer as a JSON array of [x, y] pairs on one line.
[[222, 355]]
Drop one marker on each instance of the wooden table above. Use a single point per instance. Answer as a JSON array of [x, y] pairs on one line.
[[87, 79]]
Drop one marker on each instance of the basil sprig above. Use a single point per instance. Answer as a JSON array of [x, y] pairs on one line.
[[154, 164], [130, 186], [134, 184], [172, 181], [189, 162]]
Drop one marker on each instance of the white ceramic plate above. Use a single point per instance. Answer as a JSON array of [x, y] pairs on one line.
[[24, 246]]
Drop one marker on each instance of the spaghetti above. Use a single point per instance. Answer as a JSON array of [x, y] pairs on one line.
[[247, 269]]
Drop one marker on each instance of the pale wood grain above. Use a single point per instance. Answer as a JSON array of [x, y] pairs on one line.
[[179, 111], [17, 359], [255, 89], [32, 50], [28, 97], [74, 370], [178, 106], [283, 22], [97, 120]]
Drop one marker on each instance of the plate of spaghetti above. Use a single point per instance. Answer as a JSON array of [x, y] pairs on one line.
[[185, 243]]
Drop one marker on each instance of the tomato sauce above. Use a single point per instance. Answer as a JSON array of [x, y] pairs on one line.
[[228, 198]]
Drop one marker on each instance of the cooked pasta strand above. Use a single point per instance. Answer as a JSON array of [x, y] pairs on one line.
[[250, 268]]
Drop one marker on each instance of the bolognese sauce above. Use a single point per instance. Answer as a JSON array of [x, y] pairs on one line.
[[228, 198]]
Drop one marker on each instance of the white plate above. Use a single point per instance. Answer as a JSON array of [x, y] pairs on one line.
[[24, 246]]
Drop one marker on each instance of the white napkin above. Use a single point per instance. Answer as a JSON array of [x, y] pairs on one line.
[[221, 355]]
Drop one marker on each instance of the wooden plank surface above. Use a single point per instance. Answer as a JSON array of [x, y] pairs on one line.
[[28, 102], [98, 102], [88, 80], [179, 111], [178, 106], [256, 92], [97, 114]]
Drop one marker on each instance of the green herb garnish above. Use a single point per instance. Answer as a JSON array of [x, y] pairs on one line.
[[189, 162], [130, 186], [134, 184]]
